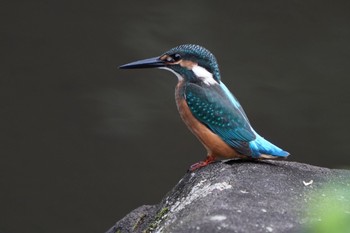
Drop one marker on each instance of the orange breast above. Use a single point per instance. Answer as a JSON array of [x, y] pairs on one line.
[[215, 146]]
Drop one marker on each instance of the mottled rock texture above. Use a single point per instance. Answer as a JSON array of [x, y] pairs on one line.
[[236, 196]]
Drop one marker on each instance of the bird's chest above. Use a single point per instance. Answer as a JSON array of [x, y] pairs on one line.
[[184, 110], [215, 146], [190, 120]]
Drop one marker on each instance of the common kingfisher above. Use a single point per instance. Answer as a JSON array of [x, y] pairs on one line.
[[208, 108]]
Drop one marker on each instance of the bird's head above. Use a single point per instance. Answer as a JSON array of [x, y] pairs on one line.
[[189, 62]]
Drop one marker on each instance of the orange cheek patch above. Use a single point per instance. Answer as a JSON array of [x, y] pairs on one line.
[[183, 63], [188, 64]]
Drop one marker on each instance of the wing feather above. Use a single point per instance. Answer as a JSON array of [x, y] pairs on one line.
[[212, 106]]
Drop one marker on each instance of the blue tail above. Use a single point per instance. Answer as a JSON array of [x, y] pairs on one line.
[[261, 146]]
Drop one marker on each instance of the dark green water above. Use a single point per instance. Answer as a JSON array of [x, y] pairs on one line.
[[83, 143]]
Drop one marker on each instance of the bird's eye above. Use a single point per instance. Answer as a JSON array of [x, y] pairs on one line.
[[173, 58], [176, 57]]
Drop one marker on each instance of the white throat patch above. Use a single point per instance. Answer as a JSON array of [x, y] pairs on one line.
[[204, 75]]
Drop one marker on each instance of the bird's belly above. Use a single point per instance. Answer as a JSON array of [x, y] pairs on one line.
[[215, 146]]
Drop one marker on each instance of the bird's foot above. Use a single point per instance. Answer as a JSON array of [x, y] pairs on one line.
[[200, 164]]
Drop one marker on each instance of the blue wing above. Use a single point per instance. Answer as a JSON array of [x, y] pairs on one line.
[[215, 107]]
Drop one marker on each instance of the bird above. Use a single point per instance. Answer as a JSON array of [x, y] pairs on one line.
[[210, 111]]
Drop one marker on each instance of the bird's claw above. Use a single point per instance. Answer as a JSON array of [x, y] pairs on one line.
[[200, 164]]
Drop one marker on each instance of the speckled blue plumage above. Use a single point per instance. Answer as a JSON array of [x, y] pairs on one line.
[[217, 108], [259, 145]]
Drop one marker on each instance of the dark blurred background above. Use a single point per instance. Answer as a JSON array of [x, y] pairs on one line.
[[83, 143]]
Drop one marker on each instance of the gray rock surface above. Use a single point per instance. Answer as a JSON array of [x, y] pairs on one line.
[[236, 196]]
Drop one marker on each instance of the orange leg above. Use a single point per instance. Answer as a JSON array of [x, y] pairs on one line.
[[204, 163]]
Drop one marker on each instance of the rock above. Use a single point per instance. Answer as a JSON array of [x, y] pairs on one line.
[[236, 196]]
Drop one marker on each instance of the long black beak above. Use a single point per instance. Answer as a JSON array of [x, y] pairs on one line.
[[146, 63]]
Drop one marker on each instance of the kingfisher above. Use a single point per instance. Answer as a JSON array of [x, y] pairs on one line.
[[208, 108]]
